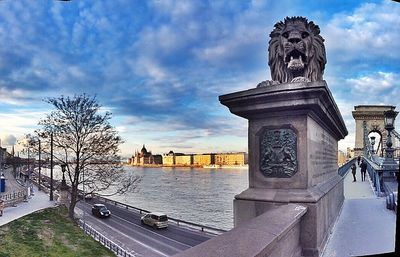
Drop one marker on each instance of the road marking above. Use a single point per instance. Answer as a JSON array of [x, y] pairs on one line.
[[135, 240], [183, 244], [146, 236], [154, 233]]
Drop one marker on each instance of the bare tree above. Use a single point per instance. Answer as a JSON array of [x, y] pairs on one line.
[[87, 144]]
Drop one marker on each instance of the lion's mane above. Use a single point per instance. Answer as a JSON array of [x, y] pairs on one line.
[[317, 59]]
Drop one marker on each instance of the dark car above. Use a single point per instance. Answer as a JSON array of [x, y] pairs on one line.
[[100, 210]]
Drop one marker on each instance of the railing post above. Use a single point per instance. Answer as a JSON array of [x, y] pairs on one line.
[[378, 184]]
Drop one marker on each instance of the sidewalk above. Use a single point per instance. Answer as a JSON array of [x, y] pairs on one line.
[[364, 226], [37, 202]]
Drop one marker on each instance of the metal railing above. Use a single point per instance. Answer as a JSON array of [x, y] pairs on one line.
[[396, 143], [179, 222], [373, 171], [118, 250], [342, 171]]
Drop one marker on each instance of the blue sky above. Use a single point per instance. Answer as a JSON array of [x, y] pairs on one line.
[[159, 66]]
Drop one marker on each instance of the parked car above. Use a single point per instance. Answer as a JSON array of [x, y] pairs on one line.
[[100, 210], [89, 196], [155, 219]]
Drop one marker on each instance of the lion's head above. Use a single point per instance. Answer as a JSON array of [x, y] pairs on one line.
[[296, 51]]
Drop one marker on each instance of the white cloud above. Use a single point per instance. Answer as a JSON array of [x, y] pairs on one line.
[[372, 29], [13, 97], [174, 8], [375, 83], [19, 122], [147, 67], [7, 139]]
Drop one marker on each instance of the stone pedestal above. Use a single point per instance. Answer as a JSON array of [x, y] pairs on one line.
[[63, 199], [293, 135]]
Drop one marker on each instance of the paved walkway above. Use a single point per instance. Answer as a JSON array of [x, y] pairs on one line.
[[37, 202], [364, 226]]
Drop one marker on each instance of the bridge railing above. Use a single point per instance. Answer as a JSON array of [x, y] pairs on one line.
[[396, 143], [342, 171], [118, 250], [179, 222], [373, 170]]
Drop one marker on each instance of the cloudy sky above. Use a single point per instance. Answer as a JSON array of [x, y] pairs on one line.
[[159, 66]]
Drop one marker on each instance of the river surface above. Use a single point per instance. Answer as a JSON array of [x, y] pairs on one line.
[[202, 196]]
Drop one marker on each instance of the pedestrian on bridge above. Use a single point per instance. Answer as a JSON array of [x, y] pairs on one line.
[[358, 160], [353, 171], [363, 167]]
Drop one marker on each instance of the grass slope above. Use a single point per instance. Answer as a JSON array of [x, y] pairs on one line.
[[47, 233]]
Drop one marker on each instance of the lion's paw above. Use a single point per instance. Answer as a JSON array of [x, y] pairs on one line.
[[300, 79], [267, 83]]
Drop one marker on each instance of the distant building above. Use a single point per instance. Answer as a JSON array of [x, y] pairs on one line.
[[177, 159], [230, 159], [168, 159], [3, 155], [184, 160], [341, 158], [204, 159], [350, 153], [145, 157], [158, 159]]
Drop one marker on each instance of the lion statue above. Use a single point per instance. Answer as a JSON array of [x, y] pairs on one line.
[[296, 52]]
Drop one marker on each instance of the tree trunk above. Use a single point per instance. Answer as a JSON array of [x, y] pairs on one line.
[[71, 209]]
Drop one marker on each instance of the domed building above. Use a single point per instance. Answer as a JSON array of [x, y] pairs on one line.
[[145, 157]]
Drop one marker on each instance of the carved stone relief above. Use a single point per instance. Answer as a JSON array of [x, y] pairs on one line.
[[278, 153]]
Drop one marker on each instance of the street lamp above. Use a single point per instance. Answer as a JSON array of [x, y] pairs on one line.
[[389, 126], [397, 243], [51, 167], [63, 182], [390, 163], [372, 143], [40, 166]]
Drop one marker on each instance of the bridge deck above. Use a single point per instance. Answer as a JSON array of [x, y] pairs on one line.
[[364, 226]]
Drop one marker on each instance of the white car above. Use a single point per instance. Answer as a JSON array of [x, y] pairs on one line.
[[155, 219]]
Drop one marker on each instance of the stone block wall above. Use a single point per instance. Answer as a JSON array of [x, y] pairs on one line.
[[275, 233]]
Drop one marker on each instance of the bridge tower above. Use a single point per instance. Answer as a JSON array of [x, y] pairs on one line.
[[372, 118]]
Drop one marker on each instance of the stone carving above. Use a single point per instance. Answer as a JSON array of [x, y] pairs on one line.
[[296, 52], [278, 149]]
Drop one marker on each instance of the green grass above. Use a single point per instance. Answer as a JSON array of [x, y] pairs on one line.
[[48, 233]]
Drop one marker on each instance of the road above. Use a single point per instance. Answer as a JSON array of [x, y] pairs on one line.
[[125, 229]]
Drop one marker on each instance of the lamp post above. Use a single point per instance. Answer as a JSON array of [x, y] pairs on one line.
[[40, 166], [397, 243], [390, 164], [389, 126], [372, 143], [63, 198], [51, 167], [63, 182]]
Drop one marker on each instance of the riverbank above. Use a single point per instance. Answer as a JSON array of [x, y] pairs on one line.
[[213, 166]]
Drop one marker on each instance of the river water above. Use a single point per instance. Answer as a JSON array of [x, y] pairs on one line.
[[203, 196]]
